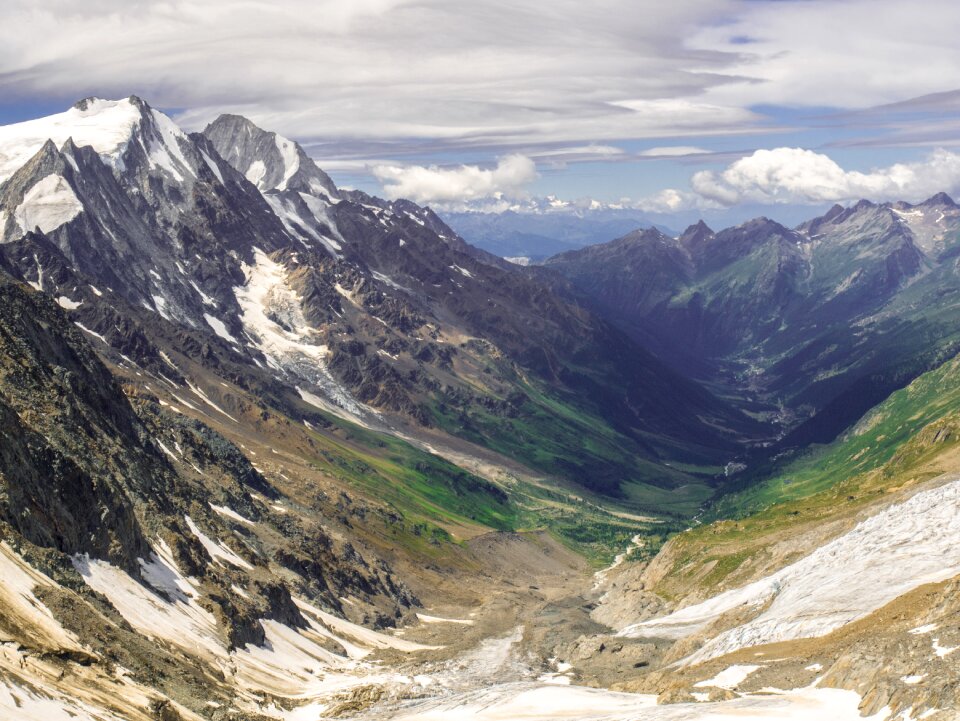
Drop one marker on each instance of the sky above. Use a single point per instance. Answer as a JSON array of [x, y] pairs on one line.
[[672, 108]]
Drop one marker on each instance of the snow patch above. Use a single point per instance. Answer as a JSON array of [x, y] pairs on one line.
[[901, 547], [91, 332], [463, 271], [230, 513], [67, 304], [49, 204], [729, 678], [255, 173], [106, 125], [942, 651], [213, 166], [220, 328], [180, 621], [21, 605], [217, 551], [290, 159], [436, 619]]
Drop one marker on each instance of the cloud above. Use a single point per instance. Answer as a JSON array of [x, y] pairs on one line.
[[458, 185], [672, 151], [671, 201], [795, 175], [835, 53], [461, 73]]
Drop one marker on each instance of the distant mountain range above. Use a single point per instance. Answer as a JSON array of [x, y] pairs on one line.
[[823, 320], [543, 229]]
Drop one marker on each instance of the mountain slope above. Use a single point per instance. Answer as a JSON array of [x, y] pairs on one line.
[[764, 313]]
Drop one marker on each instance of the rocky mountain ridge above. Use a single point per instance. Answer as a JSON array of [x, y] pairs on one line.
[[765, 312]]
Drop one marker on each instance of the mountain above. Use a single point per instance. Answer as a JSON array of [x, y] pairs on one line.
[[236, 238], [539, 230], [765, 312], [838, 566], [278, 450]]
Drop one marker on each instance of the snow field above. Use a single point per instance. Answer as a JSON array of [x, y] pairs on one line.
[[896, 550]]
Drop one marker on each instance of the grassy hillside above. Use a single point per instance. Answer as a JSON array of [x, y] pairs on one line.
[[914, 435]]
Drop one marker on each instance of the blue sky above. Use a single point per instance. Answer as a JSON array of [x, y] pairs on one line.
[[692, 106]]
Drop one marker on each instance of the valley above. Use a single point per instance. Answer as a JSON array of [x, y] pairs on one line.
[[276, 449]]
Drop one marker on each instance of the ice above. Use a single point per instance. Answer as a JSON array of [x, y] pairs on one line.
[[894, 551], [106, 125], [49, 204], [291, 348], [219, 328], [266, 290]]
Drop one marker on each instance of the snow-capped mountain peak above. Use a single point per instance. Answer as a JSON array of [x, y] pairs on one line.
[[112, 128], [268, 160], [106, 125]]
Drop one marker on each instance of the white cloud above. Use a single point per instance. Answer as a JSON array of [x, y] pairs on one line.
[[455, 72], [671, 201], [672, 151], [839, 53], [457, 185], [795, 175], [577, 153]]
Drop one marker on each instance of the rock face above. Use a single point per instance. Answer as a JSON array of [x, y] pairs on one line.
[[268, 160], [103, 489]]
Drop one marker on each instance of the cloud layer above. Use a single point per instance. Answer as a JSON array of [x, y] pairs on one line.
[[466, 71], [396, 84]]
